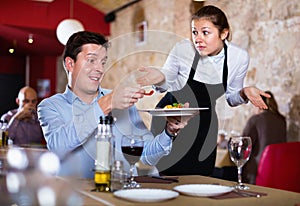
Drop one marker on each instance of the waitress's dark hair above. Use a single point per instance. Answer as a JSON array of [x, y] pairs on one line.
[[214, 15], [77, 40]]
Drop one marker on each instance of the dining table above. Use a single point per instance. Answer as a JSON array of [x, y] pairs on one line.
[[262, 195], [32, 186]]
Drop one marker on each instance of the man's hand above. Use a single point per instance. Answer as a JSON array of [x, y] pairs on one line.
[[125, 97], [26, 113], [120, 98], [175, 123]]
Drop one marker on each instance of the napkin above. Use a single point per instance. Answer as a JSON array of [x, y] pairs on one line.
[[156, 179], [239, 193]]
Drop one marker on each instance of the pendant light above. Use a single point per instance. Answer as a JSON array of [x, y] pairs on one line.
[[67, 27]]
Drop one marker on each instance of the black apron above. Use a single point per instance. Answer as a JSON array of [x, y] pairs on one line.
[[194, 150]]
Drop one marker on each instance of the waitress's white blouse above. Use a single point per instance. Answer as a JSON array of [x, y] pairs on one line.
[[209, 69]]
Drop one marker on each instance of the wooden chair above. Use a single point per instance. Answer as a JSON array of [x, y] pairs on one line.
[[279, 167]]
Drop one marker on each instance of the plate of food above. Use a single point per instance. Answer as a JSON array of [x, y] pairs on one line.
[[203, 190], [176, 109], [146, 195]]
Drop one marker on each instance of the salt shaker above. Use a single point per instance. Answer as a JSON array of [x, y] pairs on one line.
[[118, 176]]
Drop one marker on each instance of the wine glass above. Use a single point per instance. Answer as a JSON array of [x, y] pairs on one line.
[[239, 148], [132, 149]]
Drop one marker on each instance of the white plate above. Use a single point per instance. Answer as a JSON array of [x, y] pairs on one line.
[[173, 112], [146, 195], [203, 190]]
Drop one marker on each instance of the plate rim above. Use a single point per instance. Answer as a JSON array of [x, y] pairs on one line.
[[173, 112], [175, 195], [174, 109], [202, 194]]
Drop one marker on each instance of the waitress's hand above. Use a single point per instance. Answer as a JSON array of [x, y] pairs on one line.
[[254, 95], [153, 76]]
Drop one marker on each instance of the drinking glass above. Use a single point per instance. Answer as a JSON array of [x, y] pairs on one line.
[[132, 149], [239, 148]]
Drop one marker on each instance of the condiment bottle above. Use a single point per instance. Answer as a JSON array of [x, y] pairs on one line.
[[104, 154], [118, 176]]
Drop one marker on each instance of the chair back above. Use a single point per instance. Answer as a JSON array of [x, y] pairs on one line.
[[279, 167]]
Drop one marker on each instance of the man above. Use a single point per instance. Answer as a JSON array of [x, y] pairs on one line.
[[23, 125], [69, 120]]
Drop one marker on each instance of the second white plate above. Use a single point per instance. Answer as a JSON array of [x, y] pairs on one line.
[[203, 190], [146, 195]]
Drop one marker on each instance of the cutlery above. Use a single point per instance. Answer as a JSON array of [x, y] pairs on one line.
[[246, 194]]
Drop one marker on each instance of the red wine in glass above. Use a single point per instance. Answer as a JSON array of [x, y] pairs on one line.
[[132, 154], [132, 148]]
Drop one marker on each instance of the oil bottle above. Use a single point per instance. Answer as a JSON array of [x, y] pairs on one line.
[[104, 154]]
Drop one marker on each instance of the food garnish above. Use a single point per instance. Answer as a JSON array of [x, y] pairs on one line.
[[174, 106], [149, 93]]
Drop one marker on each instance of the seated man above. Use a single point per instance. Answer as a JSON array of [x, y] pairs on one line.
[[70, 120], [23, 125]]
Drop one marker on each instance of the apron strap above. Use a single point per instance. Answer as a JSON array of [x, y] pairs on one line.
[[225, 69]]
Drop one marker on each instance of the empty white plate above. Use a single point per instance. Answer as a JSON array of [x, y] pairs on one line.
[[146, 195], [203, 190]]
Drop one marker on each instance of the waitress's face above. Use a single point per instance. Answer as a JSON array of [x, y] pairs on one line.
[[207, 38]]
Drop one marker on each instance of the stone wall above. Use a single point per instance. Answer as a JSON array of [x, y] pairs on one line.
[[268, 29]]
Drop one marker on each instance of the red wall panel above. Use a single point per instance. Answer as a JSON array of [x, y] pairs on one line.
[[43, 68], [41, 15], [12, 64]]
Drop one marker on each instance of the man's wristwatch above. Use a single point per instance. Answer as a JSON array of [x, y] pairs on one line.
[[171, 135]]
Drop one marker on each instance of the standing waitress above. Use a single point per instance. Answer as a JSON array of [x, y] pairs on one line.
[[201, 72]]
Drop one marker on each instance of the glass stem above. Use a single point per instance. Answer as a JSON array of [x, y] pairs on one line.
[[131, 172], [240, 175]]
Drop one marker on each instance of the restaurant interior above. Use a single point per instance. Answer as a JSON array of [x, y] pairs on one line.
[[142, 33]]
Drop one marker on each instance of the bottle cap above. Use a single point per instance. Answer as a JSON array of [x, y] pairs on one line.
[[118, 163], [106, 120], [101, 120], [109, 120]]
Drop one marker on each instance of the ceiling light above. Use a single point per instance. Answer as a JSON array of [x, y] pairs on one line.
[[30, 39], [66, 28], [11, 50], [69, 26]]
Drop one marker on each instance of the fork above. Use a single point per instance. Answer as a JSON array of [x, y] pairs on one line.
[[246, 194]]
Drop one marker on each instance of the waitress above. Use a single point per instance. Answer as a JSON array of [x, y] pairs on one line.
[[201, 72]]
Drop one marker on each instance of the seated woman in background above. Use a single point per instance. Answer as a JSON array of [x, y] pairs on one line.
[[266, 127]]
